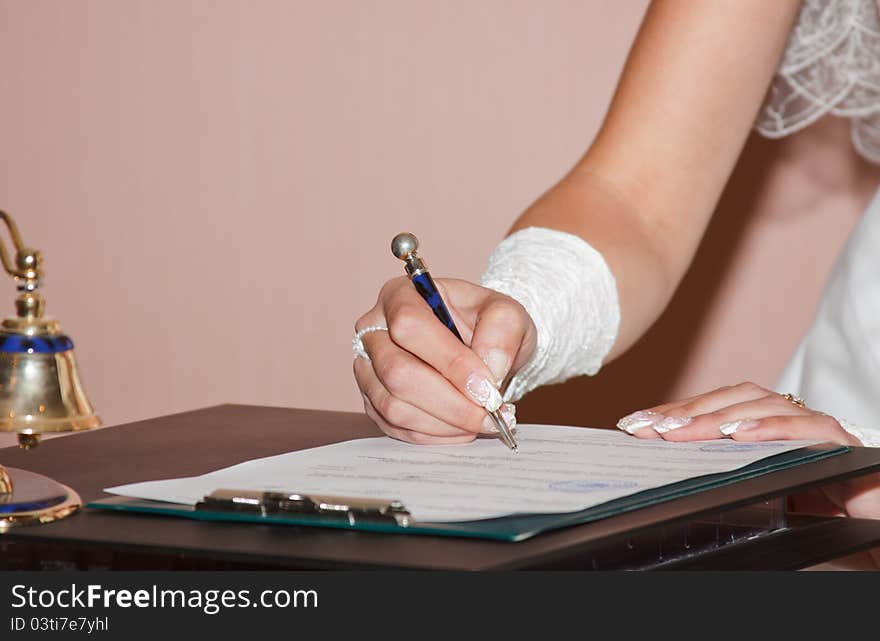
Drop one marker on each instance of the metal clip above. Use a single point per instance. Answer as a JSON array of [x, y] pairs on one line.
[[351, 509]]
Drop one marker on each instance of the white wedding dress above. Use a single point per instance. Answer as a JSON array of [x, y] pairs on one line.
[[832, 66]]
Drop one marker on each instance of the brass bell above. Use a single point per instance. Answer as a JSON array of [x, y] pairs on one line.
[[40, 391]]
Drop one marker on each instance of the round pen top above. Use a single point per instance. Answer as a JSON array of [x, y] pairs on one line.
[[404, 245]]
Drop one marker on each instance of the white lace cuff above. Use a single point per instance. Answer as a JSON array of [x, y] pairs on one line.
[[869, 438], [567, 288], [831, 66]]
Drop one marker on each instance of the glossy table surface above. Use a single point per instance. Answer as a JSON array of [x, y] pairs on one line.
[[204, 440]]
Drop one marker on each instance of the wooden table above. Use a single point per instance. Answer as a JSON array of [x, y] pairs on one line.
[[204, 440]]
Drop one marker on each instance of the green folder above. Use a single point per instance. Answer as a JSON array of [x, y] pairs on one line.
[[516, 527]]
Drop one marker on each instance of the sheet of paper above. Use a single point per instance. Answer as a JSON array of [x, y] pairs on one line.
[[557, 469]]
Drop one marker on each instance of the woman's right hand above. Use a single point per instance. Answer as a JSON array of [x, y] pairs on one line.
[[421, 384]]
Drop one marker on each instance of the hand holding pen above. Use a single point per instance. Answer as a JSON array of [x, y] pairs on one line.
[[422, 384], [482, 390]]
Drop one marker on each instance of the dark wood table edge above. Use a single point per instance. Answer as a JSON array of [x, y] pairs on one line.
[[643, 515], [625, 524]]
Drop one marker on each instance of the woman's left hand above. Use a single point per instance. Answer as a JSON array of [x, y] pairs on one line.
[[744, 412], [748, 412]]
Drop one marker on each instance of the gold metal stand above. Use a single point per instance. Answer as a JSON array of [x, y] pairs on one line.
[[65, 502]]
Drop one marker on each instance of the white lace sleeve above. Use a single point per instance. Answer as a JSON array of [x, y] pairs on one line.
[[568, 289], [831, 66]]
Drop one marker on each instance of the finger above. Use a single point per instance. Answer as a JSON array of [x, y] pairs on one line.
[[645, 432], [717, 424], [712, 401], [398, 413], [668, 415], [410, 436], [815, 426], [640, 423], [409, 379], [503, 329], [413, 327]]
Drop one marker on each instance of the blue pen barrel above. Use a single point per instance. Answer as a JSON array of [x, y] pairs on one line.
[[428, 290]]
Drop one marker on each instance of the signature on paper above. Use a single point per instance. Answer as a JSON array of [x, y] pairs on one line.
[[592, 486], [737, 447]]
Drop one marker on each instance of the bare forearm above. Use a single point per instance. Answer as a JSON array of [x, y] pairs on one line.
[[645, 191], [613, 224]]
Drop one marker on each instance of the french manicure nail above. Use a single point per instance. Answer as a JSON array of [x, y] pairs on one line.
[[735, 426], [483, 392], [638, 420], [508, 413], [498, 363], [671, 423]]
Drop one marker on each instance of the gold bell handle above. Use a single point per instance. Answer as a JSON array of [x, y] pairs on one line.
[[26, 269], [16, 241], [29, 270]]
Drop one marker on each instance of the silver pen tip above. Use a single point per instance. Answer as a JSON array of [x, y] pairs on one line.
[[504, 431]]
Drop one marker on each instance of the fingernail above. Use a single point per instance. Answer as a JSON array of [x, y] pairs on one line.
[[638, 420], [671, 423], [498, 363], [483, 392], [508, 413], [737, 426]]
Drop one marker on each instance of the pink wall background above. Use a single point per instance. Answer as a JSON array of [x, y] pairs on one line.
[[214, 185]]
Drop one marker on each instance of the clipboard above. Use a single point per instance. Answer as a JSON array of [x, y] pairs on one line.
[[391, 516]]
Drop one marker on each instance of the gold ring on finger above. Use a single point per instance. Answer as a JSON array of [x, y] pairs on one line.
[[797, 400]]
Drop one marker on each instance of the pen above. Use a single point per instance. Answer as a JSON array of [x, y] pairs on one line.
[[405, 246]]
